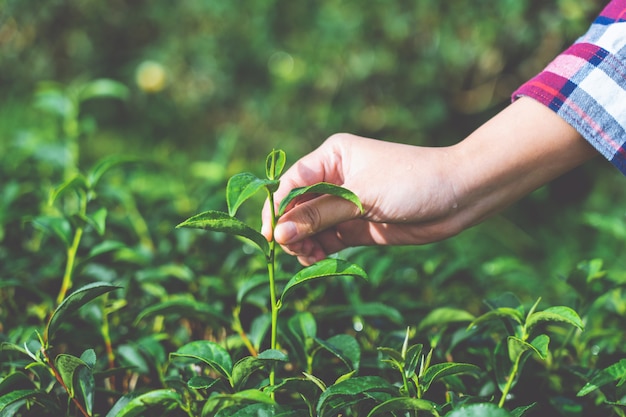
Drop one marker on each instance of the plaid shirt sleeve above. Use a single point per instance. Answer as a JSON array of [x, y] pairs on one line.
[[586, 84]]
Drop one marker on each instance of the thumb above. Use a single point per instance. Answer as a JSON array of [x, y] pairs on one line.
[[313, 216]]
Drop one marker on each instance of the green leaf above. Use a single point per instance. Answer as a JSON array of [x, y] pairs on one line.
[[303, 324], [557, 314], [517, 347], [345, 348], [521, 410], [352, 389], [13, 398], [403, 404], [57, 226], [103, 88], [98, 220], [137, 406], [102, 166], [323, 269], [479, 410], [251, 284], [441, 370], [182, 308], [86, 386], [76, 183], [217, 221], [210, 353], [275, 163], [259, 410], [412, 359], [105, 247], [241, 187], [246, 366], [201, 382], [67, 366], [75, 301], [498, 313], [218, 404], [612, 373], [443, 316], [320, 188]]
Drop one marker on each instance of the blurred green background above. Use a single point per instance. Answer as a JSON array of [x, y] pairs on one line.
[[214, 85]]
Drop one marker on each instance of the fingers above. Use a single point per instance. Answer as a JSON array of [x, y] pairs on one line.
[[312, 217]]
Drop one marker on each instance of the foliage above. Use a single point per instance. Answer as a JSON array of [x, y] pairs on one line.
[[106, 309]]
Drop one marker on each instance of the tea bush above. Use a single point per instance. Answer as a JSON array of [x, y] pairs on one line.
[[108, 309]]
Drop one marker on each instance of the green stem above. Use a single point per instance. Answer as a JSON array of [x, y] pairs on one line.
[[509, 382], [271, 271], [69, 266]]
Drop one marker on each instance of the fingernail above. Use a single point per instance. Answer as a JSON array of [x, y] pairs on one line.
[[285, 232]]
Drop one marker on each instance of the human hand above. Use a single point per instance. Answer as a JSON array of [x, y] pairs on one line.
[[404, 190], [416, 195]]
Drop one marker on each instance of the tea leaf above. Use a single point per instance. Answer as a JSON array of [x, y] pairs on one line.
[[345, 348], [86, 386], [224, 402], [103, 88], [183, 308], [323, 269], [137, 406], [250, 285], [612, 373], [76, 183], [517, 346], [217, 221], [558, 314], [104, 247], [241, 187], [201, 382], [498, 313], [250, 364], [57, 226], [275, 163], [443, 316], [210, 353], [412, 359], [259, 410], [17, 398], [440, 370], [67, 366], [404, 404], [103, 165], [351, 390], [320, 188], [303, 325], [479, 410], [75, 301]]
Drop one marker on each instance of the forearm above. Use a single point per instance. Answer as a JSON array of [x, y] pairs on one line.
[[519, 150]]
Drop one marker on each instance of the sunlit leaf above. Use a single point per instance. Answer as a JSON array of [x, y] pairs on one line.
[[103, 165], [201, 382], [217, 221], [165, 399], [246, 366], [612, 373], [555, 314], [103, 88], [403, 404], [320, 188], [498, 313], [241, 187], [210, 353], [76, 183], [441, 370], [75, 301], [323, 269]]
